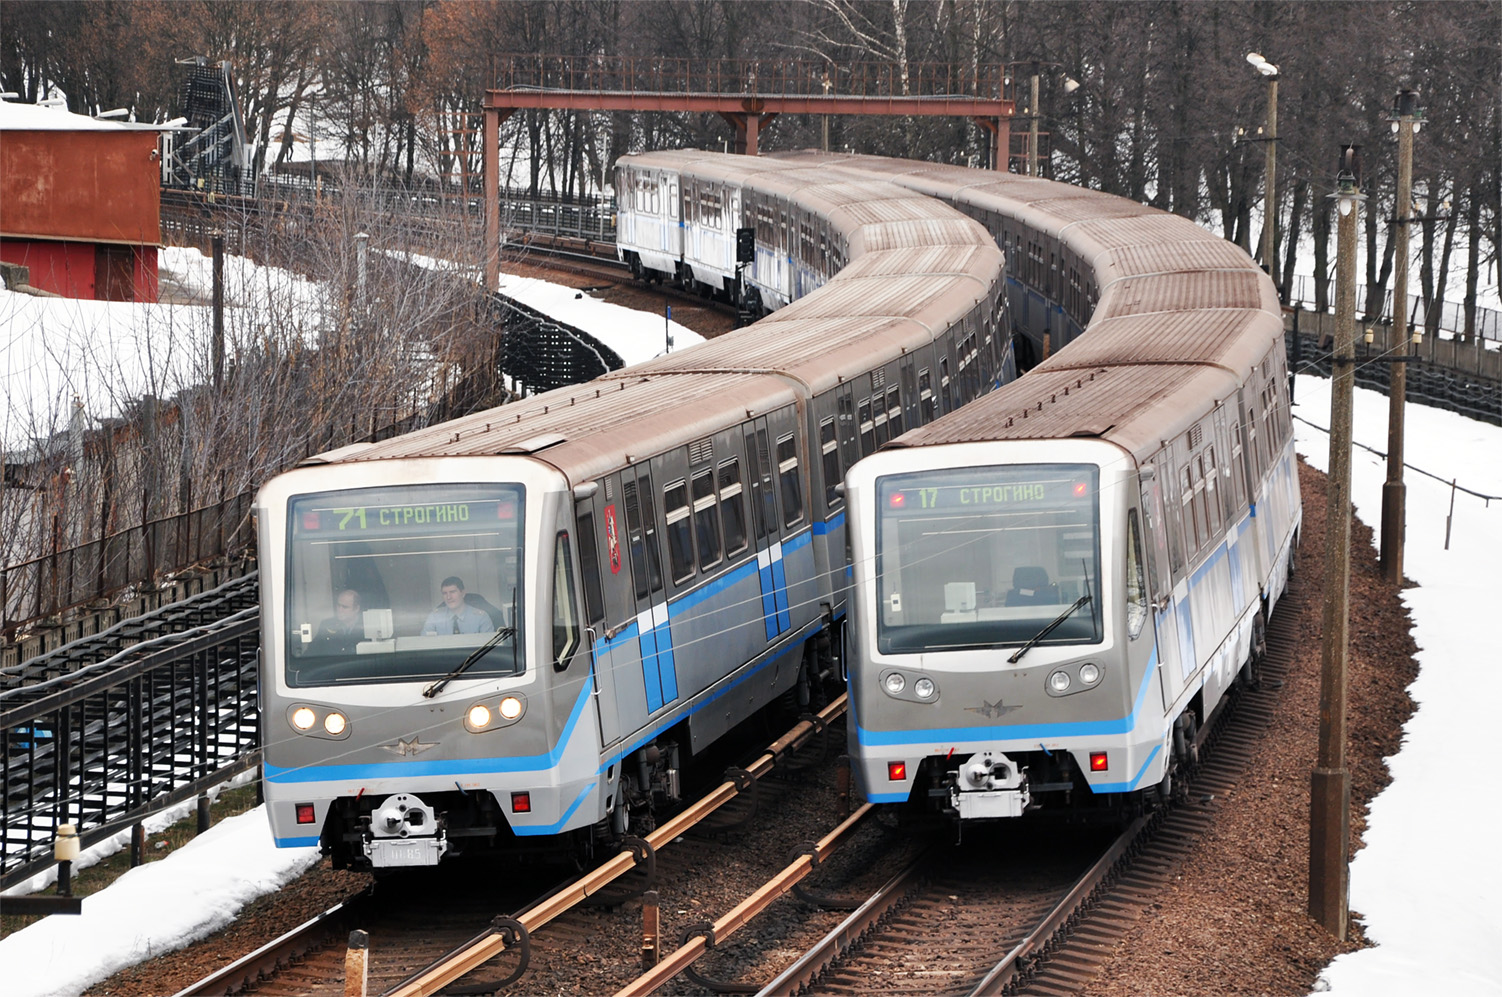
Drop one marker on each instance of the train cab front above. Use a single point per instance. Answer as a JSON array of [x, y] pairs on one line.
[[416, 703], [997, 667]]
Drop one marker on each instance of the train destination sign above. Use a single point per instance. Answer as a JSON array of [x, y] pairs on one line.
[[395, 518], [948, 491]]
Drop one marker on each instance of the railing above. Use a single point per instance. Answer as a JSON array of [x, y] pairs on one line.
[[43, 586], [104, 747], [766, 77], [1451, 316]]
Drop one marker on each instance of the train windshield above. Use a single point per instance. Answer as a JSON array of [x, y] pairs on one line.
[[401, 584], [987, 556]]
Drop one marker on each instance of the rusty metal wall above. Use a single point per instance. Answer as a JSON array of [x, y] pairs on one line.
[[93, 186]]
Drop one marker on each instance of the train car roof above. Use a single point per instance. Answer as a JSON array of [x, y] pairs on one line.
[[1136, 407], [592, 428]]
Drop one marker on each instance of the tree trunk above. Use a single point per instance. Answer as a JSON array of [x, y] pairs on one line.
[[1290, 256], [1322, 255], [1472, 262]]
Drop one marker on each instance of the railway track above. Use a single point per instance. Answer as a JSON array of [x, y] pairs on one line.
[[936, 926], [429, 930]]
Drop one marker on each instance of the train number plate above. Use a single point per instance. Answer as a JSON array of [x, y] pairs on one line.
[[388, 853]]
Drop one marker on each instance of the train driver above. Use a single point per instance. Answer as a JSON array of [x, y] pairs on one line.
[[340, 632], [455, 616]]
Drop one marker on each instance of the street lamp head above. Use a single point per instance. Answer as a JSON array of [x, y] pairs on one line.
[[1071, 84], [1261, 65]]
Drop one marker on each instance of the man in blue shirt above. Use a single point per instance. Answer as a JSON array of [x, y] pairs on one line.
[[456, 616]]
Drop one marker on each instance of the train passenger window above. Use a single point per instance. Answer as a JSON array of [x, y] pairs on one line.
[[830, 448], [634, 538], [792, 486], [706, 518], [944, 399], [761, 485], [1136, 582], [680, 533], [879, 419], [565, 610], [925, 396], [589, 564], [649, 528], [1194, 525], [894, 412], [734, 507], [868, 429], [1214, 514]]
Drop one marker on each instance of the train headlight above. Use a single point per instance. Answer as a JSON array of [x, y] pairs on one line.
[[302, 718], [479, 716], [924, 688], [1089, 673], [511, 707], [335, 723], [1059, 681], [894, 683]]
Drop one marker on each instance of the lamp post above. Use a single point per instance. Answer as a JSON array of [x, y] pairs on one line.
[[1405, 121], [1330, 783], [1270, 202]]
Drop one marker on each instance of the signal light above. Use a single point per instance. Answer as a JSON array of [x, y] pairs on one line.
[[521, 803], [1080, 488], [1098, 761], [896, 771], [305, 813], [896, 500]]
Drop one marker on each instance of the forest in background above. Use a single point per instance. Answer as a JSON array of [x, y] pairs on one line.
[[1167, 110]]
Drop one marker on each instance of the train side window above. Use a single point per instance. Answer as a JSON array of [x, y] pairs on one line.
[[868, 429], [944, 400], [894, 412], [1214, 501], [734, 507], [589, 564], [634, 538], [1173, 510], [1136, 582], [829, 447], [1194, 529], [792, 485], [649, 536], [763, 493], [706, 518], [680, 531], [673, 199], [925, 396], [565, 610]]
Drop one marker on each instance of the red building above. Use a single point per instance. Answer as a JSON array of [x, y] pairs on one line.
[[80, 202]]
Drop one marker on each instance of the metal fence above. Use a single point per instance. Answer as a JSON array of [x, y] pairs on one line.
[[105, 746], [43, 586], [1451, 314]]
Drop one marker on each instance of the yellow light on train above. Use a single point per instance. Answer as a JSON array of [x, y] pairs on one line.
[[511, 707], [335, 723], [479, 716], [302, 718]]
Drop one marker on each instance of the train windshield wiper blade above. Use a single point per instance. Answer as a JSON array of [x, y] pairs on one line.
[[1066, 614], [474, 656]]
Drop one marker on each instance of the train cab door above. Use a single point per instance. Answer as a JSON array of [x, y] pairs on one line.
[[598, 555], [1160, 582], [765, 531]]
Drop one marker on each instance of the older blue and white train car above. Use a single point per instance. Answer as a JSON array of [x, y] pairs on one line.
[[1057, 585], [514, 628]]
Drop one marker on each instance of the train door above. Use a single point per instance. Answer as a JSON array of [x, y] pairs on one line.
[[592, 542], [658, 672], [765, 530], [1160, 579]]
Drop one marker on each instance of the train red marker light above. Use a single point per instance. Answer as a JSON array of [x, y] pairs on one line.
[[311, 521], [305, 814], [897, 500], [1098, 762], [1080, 488], [521, 803], [897, 771]]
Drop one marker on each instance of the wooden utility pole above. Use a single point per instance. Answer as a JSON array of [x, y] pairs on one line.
[[1330, 784], [1406, 113]]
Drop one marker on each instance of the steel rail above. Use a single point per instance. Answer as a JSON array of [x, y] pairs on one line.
[[486, 947], [741, 914], [808, 966], [279, 952]]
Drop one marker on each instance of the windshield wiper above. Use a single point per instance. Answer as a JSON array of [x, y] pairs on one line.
[[1066, 614], [474, 656]]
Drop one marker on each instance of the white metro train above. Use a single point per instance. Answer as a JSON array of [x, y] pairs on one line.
[[512, 630], [1056, 586]]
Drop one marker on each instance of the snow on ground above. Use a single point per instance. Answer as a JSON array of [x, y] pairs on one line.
[[1423, 881]]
